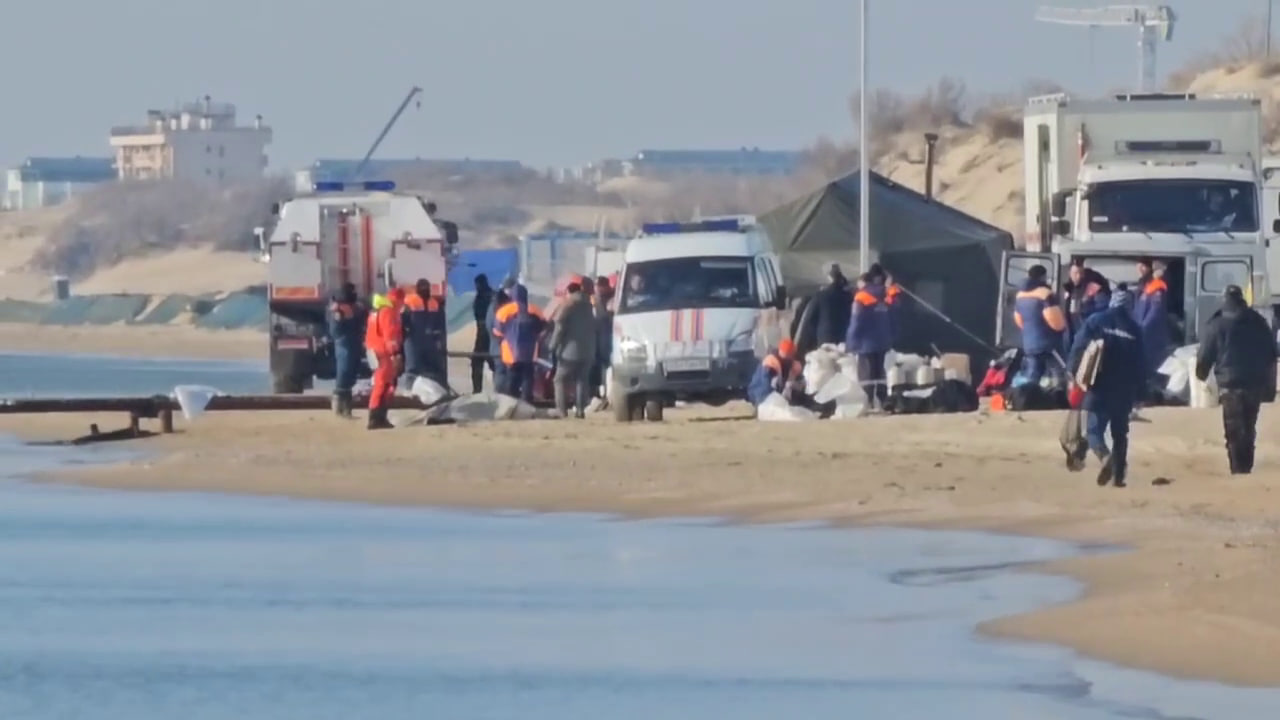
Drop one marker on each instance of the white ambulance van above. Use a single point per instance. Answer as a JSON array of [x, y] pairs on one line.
[[697, 306]]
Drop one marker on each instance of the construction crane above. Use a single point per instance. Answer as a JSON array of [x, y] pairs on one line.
[[1154, 22], [413, 92]]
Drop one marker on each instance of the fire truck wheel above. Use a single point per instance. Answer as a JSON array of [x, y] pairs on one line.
[[286, 385]]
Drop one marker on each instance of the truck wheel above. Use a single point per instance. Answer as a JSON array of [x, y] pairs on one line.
[[653, 408], [287, 385]]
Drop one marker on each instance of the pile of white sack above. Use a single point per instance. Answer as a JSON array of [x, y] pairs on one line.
[[1183, 386], [831, 374]]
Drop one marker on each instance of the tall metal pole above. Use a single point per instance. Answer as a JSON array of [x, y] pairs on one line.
[[864, 154], [1270, 3]]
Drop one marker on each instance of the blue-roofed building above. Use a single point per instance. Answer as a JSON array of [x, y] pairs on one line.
[[44, 181], [330, 169], [744, 161]]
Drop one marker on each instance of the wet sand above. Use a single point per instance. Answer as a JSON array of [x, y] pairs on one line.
[[1195, 598], [141, 341]]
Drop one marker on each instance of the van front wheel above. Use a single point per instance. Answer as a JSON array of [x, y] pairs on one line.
[[653, 408]]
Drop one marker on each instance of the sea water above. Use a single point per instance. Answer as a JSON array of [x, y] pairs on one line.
[[137, 606]]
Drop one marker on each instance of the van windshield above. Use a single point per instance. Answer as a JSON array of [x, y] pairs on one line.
[[687, 283], [1176, 206]]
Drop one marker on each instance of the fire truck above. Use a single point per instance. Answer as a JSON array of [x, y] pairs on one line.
[[364, 233]]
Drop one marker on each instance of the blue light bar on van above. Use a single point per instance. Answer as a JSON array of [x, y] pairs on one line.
[[672, 228], [367, 186]]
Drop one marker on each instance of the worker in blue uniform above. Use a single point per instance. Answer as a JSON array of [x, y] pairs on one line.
[[346, 317]]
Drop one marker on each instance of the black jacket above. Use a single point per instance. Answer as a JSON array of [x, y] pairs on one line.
[[829, 313], [1239, 348]]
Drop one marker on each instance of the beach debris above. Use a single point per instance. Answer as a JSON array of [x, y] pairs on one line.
[[194, 399]]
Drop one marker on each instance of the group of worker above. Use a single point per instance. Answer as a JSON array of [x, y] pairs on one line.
[[1129, 330], [404, 335], [863, 318], [577, 338]]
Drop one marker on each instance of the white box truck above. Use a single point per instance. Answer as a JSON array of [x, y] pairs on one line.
[[1175, 178]]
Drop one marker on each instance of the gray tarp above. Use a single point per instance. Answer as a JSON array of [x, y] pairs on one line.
[[949, 259]]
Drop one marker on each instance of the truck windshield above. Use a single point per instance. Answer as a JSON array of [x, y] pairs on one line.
[[687, 283], [1178, 206]]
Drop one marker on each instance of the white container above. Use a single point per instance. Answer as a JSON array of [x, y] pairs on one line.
[[924, 375], [894, 377]]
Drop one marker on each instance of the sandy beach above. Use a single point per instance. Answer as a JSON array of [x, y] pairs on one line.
[[142, 341], [1193, 598]]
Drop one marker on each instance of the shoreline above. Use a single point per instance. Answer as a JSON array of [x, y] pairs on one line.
[[134, 341], [1185, 595]]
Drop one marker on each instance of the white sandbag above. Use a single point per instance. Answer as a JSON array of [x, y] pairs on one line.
[[193, 399], [427, 391], [1179, 367], [509, 408], [471, 408], [837, 387], [848, 410], [776, 409]]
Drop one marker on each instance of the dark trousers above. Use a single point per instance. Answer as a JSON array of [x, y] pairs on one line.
[[519, 379], [346, 363], [871, 377], [1034, 366], [573, 376], [1240, 425], [482, 346], [1114, 415]]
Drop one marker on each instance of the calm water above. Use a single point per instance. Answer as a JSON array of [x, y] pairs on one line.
[[26, 375], [133, 606]]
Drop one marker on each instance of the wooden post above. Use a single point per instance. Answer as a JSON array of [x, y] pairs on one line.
[[166, 420], [133, 423]]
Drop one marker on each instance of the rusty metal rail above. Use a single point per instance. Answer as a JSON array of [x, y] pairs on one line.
[[162, 407]]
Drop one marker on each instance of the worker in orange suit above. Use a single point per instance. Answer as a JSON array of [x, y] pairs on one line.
[[1039, 315], [384, 341]]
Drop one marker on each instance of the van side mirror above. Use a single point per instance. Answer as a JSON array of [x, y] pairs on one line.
[[275, 209], [1058, 203], [780, 297], [1275, 226], [1060, 227]]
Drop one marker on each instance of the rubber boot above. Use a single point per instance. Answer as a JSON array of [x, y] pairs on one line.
[[344, 405], [1107, 472], [335, 404], [1246, 460], [378, 420]]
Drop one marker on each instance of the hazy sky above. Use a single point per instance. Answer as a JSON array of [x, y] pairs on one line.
[[551, 82]]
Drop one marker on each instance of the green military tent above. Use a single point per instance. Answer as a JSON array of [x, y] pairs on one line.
[[945, 259]]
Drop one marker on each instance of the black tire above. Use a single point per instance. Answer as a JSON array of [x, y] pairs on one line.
[[287, 384], [653, 408]]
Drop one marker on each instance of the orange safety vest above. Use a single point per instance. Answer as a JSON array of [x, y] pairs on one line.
[[774, 363], [384, 334], [413, 302], [506, 313]]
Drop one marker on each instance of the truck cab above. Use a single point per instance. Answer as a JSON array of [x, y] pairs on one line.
[[362, 233], [1171, 178], [698, 304]]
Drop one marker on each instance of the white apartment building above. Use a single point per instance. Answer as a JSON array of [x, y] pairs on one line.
[[195, 141]]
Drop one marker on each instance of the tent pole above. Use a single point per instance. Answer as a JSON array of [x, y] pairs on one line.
[[864, 172]]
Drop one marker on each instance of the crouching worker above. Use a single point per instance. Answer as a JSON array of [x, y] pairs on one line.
[[1113, 384], [384, 341], [345, 320], [778, 372]]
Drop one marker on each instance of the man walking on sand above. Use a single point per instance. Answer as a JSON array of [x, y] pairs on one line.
[[1114, 384], [1238, 347]]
